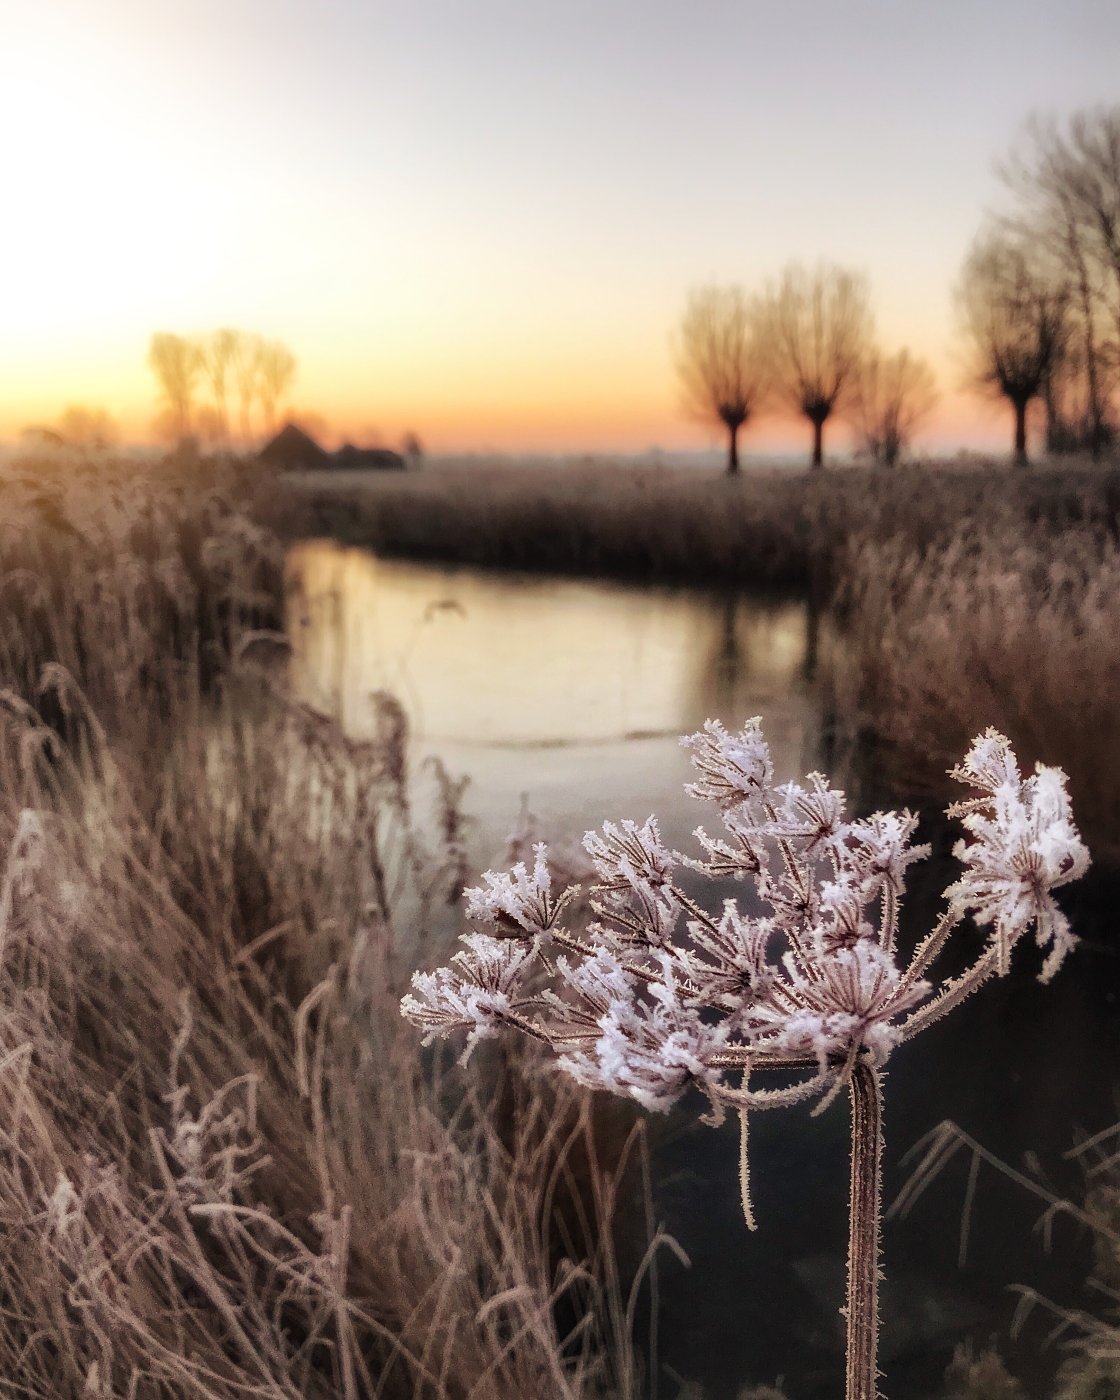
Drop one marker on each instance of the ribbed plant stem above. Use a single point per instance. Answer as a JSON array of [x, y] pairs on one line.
[[865, 1210]]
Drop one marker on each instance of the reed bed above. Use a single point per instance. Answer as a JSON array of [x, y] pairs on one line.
[[766, 528], [224, 1170], [1017, 627]]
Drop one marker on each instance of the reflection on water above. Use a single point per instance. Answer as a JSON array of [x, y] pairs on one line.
[[575, 692], [523, 662]]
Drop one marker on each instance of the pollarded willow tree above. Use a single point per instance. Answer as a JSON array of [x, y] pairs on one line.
[[818, 331], [720, 360], [808, 988], [1014, 319], [893, 394]]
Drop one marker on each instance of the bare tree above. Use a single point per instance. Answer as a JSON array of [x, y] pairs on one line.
[[176, 361], [719, 360], [1014, 320], [893, 394], [85, 427], [1092, 152], [245, 366], [218, 354], [818, 331], [1068, 188], [412, 449], [277, 369]]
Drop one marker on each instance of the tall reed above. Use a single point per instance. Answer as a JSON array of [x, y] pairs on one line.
[[223, 1170], [768, 527], [1012, 626]]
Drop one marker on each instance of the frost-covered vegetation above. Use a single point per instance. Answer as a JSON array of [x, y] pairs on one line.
[[768, 526], [655, 994], [223, 1170], [1014, 624]]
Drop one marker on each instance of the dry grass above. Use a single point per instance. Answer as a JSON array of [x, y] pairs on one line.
[[768, 527], [1013, 626], [224, 1171], [1090, 1334]]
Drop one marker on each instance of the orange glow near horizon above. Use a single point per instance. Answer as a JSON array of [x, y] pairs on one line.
[[415, 202], [545, 402]]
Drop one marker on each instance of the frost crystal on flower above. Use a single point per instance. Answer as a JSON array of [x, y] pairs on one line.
[[655, 994], [1024, 845], [517, 904], [648, 1048], [475, 995]]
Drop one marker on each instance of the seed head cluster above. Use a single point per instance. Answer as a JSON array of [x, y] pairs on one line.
[[652, 993]]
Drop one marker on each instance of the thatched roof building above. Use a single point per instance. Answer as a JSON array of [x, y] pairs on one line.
[[294, 450]]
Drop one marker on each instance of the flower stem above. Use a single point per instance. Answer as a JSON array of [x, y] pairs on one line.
[[865, 1209]]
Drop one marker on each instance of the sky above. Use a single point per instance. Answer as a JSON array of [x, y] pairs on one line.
[[480, 219]]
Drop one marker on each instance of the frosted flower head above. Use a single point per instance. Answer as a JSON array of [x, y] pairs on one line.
[[808, 983], [811, 814], [627, 855], [878, 851], [476, 994], [729, 967], [851, 999], [733, 768], [517, 904], [635, 870], [1023, 845], [648, 1048]]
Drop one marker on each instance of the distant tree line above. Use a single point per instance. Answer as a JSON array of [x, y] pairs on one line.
[[1038, 304], [203, 379], [1039, 296], [806, 343]]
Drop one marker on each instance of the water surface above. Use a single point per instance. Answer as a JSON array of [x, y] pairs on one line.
[[575, 693]]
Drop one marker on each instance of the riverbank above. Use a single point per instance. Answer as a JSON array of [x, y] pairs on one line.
[[213, 894], [228, 1168], [958, 596], [791, 528]]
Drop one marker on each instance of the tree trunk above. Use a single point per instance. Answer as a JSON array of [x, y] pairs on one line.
[[864, 1212], [818, 442], [733, 449], [1020, 434], [1053, 417]]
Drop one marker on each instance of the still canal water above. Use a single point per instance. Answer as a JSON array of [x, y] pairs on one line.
[[574, 694]]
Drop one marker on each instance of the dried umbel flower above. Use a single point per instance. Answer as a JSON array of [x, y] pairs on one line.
[[657, 995]]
